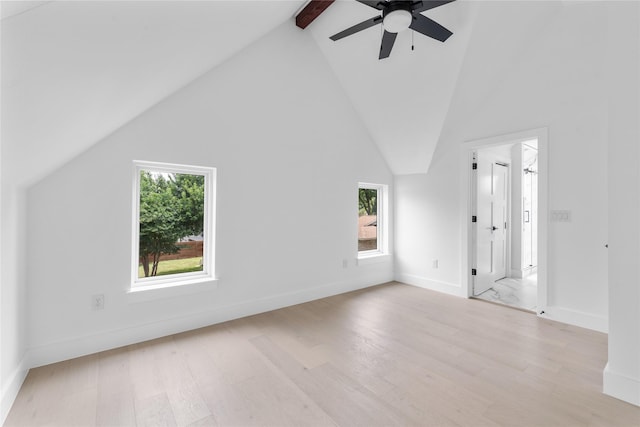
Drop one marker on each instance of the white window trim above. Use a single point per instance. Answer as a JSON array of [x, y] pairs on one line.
[[208, 257], [382, 228]]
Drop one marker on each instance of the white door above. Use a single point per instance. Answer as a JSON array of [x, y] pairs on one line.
[[491, 226]]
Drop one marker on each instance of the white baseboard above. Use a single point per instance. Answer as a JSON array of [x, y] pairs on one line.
[[526, 272], [82, 346], [518, 274], [559, 314], [577, 318], [11, 388], [426, 283], [620, 386]]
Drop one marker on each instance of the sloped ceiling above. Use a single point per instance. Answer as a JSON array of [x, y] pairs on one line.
[[403, 100], [503, 34], [73, 72], [12, 8]]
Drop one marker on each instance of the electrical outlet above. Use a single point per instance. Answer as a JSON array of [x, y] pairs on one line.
[[97, 302], [435, 263]]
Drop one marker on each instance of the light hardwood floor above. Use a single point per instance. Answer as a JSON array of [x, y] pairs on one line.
[[388, 355]]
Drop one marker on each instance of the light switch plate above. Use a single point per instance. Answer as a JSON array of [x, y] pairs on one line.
[[560, 216]]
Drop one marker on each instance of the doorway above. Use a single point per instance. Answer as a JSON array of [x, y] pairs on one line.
[[505, 222]]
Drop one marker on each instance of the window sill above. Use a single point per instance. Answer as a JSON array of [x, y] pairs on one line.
[[170, 289], [372, 258]]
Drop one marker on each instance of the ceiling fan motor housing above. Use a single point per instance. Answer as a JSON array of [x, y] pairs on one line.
[[397, 16]]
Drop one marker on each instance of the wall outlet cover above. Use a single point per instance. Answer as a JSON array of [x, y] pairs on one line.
[[97, 302]]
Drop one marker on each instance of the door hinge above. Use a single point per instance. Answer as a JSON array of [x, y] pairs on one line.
[[474, 218], [474, 166], [474, 272]]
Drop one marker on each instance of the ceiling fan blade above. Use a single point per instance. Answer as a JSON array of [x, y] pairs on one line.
[[421, 6], [358, 27], [428, 27], [376, 4], [388, 39]]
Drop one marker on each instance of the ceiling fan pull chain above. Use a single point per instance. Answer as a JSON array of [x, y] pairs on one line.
[[412, 46]]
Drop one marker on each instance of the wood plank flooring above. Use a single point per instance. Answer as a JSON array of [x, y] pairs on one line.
[[384, 356]]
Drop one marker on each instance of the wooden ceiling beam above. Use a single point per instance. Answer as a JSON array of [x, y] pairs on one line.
[[311, 11]]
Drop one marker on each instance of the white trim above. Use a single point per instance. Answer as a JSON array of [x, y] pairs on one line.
[[576, 318], [516, 273], [509, 236], [525, 272], [426, 283], [11, 388], [105, 340], [620, 386], [382, 228], [375, 258], [466, 149], [209, 226], [170, 290]]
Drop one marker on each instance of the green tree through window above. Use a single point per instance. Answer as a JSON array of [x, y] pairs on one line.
[[367, 201], [367, 219], [171, 209]]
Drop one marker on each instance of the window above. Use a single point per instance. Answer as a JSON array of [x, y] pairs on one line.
[[371, 219], [173, 225]]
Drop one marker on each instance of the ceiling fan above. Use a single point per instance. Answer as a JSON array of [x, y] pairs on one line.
[[398, 15]]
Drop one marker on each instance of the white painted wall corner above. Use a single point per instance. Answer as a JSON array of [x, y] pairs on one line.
[[620, 386], [11, 388]]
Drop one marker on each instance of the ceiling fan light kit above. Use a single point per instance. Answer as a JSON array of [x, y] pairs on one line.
[[397, 20], [397, 16]]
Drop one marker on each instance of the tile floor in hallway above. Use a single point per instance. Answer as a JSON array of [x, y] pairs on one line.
[[514, 292]]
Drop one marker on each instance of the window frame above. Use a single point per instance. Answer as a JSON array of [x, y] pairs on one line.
[[381, 221], [208, 250]]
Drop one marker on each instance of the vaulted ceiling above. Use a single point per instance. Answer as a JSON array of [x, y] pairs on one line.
[[73, 72], [403, 100]]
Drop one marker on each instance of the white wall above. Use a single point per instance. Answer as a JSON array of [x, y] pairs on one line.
[[427, 227], [556, 81], [13, 304], [75, 71], [289, 152], [622, 374]]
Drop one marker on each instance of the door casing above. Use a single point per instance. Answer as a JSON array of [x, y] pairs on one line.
[[466, 207]]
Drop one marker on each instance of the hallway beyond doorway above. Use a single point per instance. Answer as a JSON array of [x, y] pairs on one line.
[[514, 292]]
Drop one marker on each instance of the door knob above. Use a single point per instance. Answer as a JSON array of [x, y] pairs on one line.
[[492, 228]]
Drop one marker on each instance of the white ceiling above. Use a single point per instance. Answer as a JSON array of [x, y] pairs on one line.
[[12, 8], [73, 72], [403, 100]]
